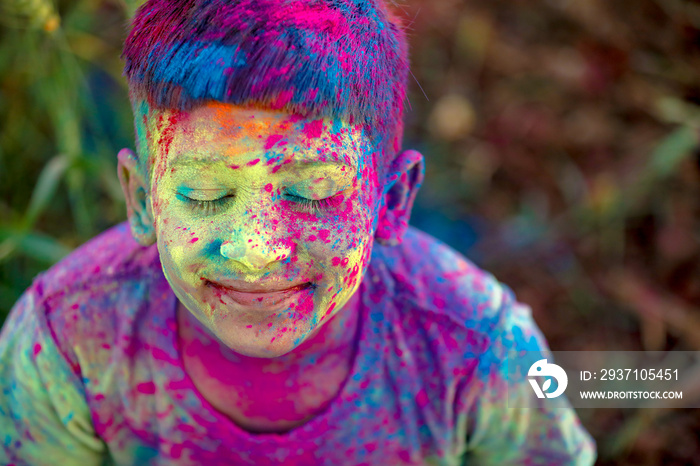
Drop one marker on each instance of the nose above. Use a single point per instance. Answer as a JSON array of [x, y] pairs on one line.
[[257, 242], [254, 254]]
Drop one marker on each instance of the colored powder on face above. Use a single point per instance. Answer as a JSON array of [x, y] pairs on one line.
[[313, 129], [272, 140]]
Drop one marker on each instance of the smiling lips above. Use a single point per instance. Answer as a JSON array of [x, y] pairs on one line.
[[259, 299]]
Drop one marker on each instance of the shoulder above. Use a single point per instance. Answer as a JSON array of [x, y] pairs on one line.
[[84, 299], [451, 306], [112, 255], [430, 277]]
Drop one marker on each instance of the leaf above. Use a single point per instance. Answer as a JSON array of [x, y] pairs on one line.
[[672, 150], [45, 188], [42, 247]]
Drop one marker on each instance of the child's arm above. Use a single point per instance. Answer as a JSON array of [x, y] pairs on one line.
[[547, 432], [44, 418]]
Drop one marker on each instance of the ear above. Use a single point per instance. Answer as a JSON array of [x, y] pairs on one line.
[[138, 207], [401, 183]]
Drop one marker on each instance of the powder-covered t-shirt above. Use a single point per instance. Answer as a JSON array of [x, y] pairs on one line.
[[91, 372]]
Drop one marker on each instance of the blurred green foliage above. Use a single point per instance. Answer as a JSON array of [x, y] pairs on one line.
[[65, 113], [562, 147]]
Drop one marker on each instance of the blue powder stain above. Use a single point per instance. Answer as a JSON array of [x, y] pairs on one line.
[[145, 454], [272, 156], [183, 191], [523, 343], [213, 248], [143, 108], [337, 126], [487, 361], [377, 316], [424, 430]]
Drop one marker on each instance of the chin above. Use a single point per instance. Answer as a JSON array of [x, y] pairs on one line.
[[259, 341]]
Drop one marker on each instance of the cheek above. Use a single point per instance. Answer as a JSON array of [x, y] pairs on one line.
[[340, 230], [180, 238], [344, 247]]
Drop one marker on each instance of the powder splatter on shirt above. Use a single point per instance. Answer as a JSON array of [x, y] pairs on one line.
[[90, 372]]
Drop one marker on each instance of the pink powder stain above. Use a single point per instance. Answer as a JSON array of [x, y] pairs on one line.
[[324, 234], [439, 302], [272, 140], [147, 388], [335, 261], [181, 384], [37, 349], [268, 187], [165, 413], [186, 428], [168, 130], [283, 98], [274, 160], [277, 167], [422, 398], [194, 240], [176, 451], [160, 355], [313, 129], [234, 167], [253, 162]]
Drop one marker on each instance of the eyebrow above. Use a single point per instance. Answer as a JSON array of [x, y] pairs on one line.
[[280, 166], [310, 163]]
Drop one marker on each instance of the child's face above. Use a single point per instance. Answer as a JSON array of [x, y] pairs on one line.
[[264, 221]]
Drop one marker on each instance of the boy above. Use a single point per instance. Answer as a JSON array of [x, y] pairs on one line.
[[273, 306]]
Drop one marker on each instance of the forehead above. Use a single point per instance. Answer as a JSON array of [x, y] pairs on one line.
[[221, 132]]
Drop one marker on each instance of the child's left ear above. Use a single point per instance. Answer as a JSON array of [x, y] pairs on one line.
[[402, 182]]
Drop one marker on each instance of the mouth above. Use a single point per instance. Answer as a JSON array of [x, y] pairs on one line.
[[258, 299]]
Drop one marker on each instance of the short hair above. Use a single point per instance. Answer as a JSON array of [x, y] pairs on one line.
[[343, 59]]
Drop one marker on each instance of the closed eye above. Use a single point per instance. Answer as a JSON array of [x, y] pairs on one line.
[[205, 206], [315, 205]]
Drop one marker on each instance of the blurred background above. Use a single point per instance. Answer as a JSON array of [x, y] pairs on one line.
[[562, 154]]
